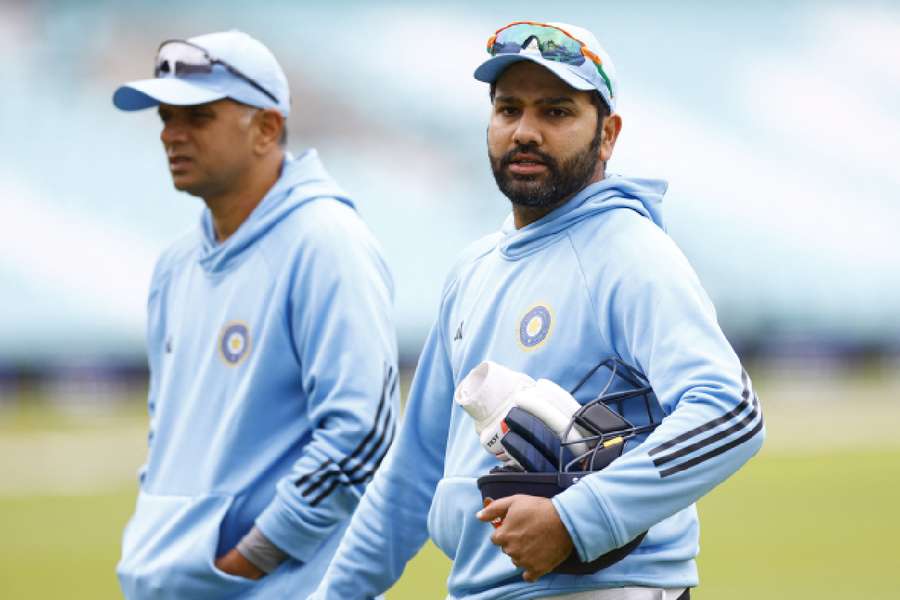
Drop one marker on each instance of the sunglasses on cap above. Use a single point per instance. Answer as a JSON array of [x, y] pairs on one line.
[[179, 58], [554, 43]]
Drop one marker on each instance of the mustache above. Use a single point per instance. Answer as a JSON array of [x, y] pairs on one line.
[[507, 159]]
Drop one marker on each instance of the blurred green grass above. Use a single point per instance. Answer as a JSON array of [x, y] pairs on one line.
[[816, 525], [813, 516]]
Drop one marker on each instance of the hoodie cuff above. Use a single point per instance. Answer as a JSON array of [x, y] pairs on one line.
[[587, 520], [262, 553], [289, 532]]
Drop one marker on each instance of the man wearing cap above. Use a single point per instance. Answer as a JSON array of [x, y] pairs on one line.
[[582, 270], [273, 377]]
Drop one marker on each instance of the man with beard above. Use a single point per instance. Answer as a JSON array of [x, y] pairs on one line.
[[581, 270]]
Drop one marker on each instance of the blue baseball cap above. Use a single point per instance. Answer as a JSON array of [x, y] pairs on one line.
[[210, 67], [597, 73]]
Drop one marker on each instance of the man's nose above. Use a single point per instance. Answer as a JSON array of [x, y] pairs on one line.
[[527, 130], [172, 133]]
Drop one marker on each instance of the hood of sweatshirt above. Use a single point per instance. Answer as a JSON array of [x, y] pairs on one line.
[[643, 196], [302, 180]]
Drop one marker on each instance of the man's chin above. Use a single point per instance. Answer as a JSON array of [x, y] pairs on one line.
[[523, 190], [185, 184], [525, 179], [519, 187]]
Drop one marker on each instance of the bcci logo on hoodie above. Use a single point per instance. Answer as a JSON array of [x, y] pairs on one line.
[[234, 342], [535, 326]]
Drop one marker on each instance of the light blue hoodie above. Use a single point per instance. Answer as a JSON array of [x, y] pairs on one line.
[[604, 280], [272, 367]]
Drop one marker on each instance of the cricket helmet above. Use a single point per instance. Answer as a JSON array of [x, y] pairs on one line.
[[610, 423]]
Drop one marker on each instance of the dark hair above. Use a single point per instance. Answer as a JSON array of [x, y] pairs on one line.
[[282, 141], [602, 108]]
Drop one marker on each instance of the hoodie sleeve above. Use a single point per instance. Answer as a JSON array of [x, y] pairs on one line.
[[652, 308], [391, 523], [340, 322]]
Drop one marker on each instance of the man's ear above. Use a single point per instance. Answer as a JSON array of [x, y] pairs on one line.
[[270, 124], [612, 125]]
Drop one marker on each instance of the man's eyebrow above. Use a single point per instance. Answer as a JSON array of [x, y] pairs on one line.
[[552, 101], [556, 101]]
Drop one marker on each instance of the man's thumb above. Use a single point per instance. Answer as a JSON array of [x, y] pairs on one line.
[[494, 509]]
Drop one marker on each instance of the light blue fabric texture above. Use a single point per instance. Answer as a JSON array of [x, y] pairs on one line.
[[273, 392], [614, 284]]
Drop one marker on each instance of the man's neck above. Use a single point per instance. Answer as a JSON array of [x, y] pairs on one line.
[[526, 215], [231, 208]]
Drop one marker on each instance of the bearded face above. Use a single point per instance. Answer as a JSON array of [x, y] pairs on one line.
[[531, 177]]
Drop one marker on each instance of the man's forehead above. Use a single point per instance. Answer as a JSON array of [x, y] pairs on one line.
[[529, 79]]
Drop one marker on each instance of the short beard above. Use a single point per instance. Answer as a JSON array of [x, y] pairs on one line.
[[560, 181]]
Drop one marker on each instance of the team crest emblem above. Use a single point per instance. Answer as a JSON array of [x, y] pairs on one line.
[[535, 327], [234, 343]]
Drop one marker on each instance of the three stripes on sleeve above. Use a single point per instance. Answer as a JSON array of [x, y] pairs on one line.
[[744, 421], [358, 466]]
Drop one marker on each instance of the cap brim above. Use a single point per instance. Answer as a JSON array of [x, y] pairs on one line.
[[146, 93], [491, 69]]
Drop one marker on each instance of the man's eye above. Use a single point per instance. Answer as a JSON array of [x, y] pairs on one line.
[[557, 112], [508, 110]]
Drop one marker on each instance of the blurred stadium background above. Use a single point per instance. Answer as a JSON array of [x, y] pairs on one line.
[[776, 124]]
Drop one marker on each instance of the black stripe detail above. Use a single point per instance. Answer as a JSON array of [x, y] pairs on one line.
[[340, 466], [307, 476], [745, 394], [362, 477], [390, 380], [386, 430], [367, 474], [388, 425], [325, 474], [691, 448], [714, 452]]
